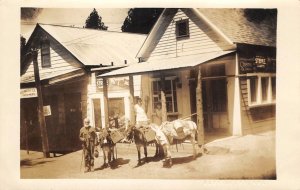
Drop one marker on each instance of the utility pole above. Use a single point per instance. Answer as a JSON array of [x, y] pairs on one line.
[[131, 98], [105, 98], [164, 116], [42, 122]]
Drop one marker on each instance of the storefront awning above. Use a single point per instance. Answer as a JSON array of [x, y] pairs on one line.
[[165, 64]]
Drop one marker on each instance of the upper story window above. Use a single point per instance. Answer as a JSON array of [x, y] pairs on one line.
[[182, 28], [45, 53], [261, 89]]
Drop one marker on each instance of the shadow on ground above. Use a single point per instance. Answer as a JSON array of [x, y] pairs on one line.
[[27, 162], [215, 150], [149, 159], [114, 164]]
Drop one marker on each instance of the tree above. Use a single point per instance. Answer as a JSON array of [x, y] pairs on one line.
[[22, 50], [95, 21], [258, 15], [141, 20]]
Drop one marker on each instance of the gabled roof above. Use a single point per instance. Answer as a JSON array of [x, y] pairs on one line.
[[95, 47], [228, 25], [240, 29]]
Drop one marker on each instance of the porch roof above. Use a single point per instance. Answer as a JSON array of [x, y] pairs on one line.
[[51, 75], [166, 64]]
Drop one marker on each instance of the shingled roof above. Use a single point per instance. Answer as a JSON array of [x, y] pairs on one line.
[[95, 47], [235, 24]]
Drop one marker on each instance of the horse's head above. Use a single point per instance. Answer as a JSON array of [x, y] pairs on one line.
[[129, 132]]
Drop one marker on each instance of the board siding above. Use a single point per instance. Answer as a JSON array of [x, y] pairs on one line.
[[198, 41], [61, 60], [250, 125]]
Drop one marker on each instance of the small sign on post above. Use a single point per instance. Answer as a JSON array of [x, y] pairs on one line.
[[28, 93], [47, 110]]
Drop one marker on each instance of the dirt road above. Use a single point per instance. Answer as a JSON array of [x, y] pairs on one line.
[[247, 157]]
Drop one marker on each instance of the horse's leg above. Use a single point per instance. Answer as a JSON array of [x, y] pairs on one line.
[[192, 139], [138, 147], [160, 151], [156, 150], [104, 155], [109, 154], [145, 151], [167, 154], [113, 152]]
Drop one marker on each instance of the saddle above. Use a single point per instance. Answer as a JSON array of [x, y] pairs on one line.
[[174, 130], [148, 132]]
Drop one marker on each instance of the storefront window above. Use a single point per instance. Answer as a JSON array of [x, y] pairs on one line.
[[261, 92], [273, 81], [170, 93], [264, 88], [253, 89]]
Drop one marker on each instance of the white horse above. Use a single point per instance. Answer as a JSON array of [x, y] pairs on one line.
[[175, 132]]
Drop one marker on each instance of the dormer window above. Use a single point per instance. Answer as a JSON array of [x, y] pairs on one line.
[[45, 53], [182, 28]]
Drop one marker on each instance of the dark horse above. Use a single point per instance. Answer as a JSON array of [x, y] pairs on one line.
[[107, 146], [140, 141]]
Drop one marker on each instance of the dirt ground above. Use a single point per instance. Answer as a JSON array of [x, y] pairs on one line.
[[246, 157]]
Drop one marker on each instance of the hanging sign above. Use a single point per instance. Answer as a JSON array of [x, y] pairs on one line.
[[47, 110], [28, 93], [113, 83]]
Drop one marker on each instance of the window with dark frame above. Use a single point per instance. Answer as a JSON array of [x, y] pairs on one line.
[[45, 54], [273, 83], [170, 93], [253, 89], [262, 90], [182, 28]]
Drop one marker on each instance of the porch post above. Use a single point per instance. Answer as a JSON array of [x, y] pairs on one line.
[[163, 98], [199, 109], [42, 122], [237, 120], [131, 100], [105, 98]]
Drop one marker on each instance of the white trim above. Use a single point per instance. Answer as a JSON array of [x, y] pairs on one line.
[[150, 36], [259, 101], [214, 27], [237, 119], [259, 92]]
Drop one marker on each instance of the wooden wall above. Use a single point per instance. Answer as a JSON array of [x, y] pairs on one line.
[[61, 60], [256, 119], [198, 41]]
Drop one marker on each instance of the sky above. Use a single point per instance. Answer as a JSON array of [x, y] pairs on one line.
[[113, 18]]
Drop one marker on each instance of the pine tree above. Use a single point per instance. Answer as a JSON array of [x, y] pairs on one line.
[[95, 21], [141, 20], [22, 50]]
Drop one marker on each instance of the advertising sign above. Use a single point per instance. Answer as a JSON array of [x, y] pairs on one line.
[[47, 110], [28, 93]]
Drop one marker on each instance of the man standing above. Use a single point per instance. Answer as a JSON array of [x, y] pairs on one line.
[[88, 138]]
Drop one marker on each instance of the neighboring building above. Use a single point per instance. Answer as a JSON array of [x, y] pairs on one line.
[[237, 60], [68, 59]]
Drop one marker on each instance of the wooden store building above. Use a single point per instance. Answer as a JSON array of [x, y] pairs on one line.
[[227, 54], [68, 59]]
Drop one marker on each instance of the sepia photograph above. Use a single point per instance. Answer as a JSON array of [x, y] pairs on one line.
[[148, 93]]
